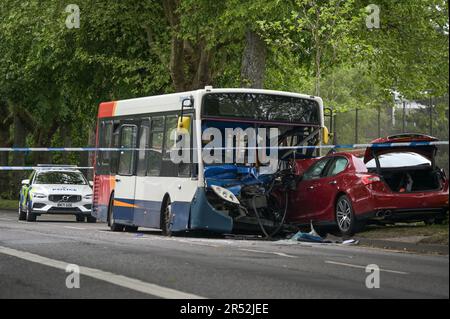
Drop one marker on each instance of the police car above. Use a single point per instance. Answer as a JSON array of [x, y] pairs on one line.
[[56, 190]]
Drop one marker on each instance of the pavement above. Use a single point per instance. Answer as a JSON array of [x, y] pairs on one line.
[[34, 257]]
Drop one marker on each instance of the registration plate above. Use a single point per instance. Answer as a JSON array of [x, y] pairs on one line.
[[64, 205]]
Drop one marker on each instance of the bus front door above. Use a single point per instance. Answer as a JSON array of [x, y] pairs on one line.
[[124, 196]]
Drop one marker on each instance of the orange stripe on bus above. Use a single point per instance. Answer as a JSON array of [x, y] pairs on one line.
[[123, 204]]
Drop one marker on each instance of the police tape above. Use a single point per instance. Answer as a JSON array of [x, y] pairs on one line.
[[29, 168], [337, 146]]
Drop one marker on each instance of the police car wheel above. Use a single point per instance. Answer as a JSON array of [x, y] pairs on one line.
[[22, 214], [30, 217], [80, 218], [91, 219]]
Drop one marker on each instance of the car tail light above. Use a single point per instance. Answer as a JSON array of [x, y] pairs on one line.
[[370, 179]]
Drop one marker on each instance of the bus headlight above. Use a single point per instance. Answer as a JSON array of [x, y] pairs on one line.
[[225, 194]]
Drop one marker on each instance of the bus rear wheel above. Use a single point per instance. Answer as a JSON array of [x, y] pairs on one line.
[[111, 222], [166, 218]]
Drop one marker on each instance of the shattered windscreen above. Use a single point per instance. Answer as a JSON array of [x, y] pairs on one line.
[[262, 107]]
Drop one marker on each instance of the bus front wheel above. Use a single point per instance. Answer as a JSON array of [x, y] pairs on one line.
[[166, 218]]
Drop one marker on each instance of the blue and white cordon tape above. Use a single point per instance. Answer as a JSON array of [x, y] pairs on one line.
[[102, 149]]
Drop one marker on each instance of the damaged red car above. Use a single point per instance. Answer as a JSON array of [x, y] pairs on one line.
[[393, 182]]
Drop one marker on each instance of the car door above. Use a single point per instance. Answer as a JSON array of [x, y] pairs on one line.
[[126, 176], [327, 187], [302, 202]]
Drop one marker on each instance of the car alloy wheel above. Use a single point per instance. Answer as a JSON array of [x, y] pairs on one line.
[[344, 214]]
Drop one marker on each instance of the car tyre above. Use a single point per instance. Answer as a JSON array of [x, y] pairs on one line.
[[80, 218], [91, 219], [111, 223], [347, 224], [30, 217], [131, 229], [22, 214], [166, 218]]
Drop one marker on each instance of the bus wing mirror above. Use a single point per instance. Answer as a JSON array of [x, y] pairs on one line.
[[184, 122], [187, 103]]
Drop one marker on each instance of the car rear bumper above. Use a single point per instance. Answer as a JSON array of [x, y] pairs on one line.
[[398, 215], [423, 201]]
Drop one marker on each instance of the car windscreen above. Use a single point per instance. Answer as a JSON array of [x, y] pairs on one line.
[[399, 159], [71, 178], [263, 107]]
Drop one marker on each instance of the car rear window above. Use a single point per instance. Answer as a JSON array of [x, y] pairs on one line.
[[71, 178], [399, 159]]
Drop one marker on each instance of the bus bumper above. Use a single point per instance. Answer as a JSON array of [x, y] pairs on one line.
[[205, 217]]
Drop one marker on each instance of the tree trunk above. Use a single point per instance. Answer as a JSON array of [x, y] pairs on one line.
[[19, 141], [253, 61]]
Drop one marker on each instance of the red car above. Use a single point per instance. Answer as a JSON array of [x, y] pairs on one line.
[[389, 184]]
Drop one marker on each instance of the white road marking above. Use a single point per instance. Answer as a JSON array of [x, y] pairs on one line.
[[364, 267], [269, 252], [119, 280], [73, 227]]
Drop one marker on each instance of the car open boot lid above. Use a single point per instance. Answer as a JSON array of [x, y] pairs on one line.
[[408, 143]]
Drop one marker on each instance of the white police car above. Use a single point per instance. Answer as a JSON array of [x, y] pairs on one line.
[[56, 190]]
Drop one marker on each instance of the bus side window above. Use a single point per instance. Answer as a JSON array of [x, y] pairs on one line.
[[154, 155], [144, 134], [106, 132], [169, 168], [114, 155], [127, 140]]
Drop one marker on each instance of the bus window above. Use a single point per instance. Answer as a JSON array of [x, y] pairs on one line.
[[144, 134], [128, 140], [169, 168], [156, 142]]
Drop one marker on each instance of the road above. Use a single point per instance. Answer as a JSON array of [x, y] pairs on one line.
[[34, 256]]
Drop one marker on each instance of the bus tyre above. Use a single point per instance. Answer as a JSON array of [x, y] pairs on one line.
[[22, 214], [30, 217], [166, 219], [345, 217], [91, 219], [131, 229], [111, 223]]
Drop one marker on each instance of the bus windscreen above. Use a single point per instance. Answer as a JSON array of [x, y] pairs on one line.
[[261, 107]]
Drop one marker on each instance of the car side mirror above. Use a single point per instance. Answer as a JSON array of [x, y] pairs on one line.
[[91, 183], [25, 182]]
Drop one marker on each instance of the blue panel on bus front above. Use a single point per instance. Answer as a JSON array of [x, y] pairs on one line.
[[205, 217], [180, 215]]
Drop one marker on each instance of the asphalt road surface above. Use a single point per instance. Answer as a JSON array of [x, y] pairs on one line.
[[34, 257]]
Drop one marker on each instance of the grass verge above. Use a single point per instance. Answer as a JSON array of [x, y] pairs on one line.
[[8, 204], [433, 234]]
